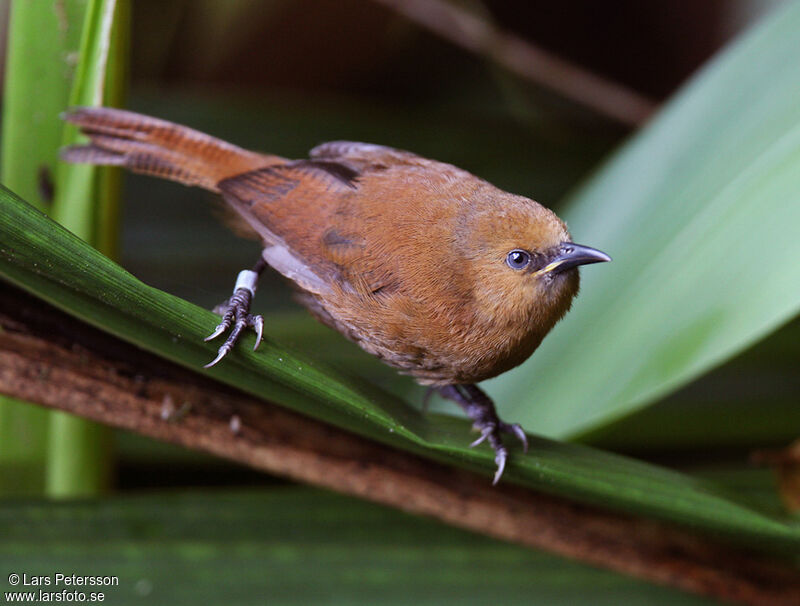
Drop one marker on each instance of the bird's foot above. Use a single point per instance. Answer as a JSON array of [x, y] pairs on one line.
[[480, 408], [236, 312]]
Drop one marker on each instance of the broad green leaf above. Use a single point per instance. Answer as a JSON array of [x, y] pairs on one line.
[[293, 546], [701, 212], [41, 256], [748, 403]]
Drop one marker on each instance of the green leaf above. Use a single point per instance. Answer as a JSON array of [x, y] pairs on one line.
[[42, 57], [748, 403], [43, 39], [293, 546], [700, 212], [41, 256], [79, 457], [76, 192]]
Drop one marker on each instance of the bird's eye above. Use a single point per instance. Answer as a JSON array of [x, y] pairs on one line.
[[518, 259]]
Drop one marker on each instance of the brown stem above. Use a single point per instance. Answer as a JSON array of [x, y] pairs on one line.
[[526, 60], [52, 359]]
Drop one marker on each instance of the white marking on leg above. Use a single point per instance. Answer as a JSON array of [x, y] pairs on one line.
[[247, 279]]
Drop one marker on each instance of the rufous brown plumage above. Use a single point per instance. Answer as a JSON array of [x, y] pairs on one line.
[[435, 271]]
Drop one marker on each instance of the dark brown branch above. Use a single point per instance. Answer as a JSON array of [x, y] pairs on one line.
[[52, 359], [522, 58]]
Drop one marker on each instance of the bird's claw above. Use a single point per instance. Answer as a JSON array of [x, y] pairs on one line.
[[516, 429], [492, 430], [258, 326], [480, 408], [221, 328], [500, 461], [235, 312], [512, 428], [484, 434]]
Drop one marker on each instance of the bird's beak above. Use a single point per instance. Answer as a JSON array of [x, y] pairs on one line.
[[571, 255]]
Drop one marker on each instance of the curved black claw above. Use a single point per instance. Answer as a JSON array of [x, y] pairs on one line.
[[480, 409], [235, 312]]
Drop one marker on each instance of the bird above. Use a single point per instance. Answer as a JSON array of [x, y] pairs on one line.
[[435, 271]]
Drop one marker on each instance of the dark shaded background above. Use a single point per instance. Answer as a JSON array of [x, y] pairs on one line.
[[359, 47]]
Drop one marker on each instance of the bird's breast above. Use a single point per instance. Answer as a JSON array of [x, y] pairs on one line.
[[439, 341]]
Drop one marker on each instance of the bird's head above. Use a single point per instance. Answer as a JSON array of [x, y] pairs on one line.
[[524, 261]]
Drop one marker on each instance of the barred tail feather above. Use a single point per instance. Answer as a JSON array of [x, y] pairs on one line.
[[157, 147]]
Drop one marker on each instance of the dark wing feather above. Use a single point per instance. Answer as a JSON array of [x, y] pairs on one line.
[[364, 157]]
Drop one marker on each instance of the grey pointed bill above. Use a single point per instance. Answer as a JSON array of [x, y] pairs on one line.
[[570, 255]]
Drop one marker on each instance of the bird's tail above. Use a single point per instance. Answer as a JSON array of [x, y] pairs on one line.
[[157, 147]]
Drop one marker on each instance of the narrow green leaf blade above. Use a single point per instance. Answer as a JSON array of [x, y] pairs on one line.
[[79, 457], [76, 191], [701, 213], [42, 57], [43, 39]]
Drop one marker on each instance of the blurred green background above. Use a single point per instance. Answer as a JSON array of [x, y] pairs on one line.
[[282, 76]]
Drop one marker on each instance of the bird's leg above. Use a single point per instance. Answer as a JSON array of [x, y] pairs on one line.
[[236, 312], [480, 408]]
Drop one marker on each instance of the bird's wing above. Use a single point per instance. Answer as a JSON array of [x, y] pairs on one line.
[[307, 213], [341, 217]]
